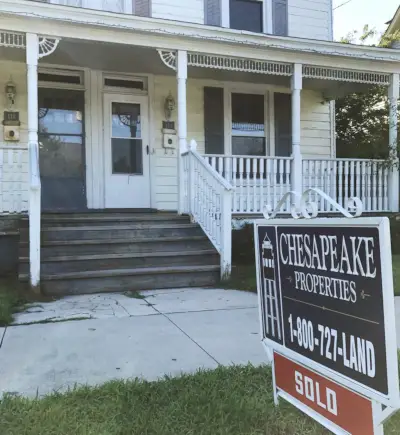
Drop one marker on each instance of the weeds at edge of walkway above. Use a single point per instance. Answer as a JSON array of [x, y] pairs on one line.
[[14, 298]]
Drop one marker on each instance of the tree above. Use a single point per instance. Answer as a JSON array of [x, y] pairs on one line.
[[362, 121]]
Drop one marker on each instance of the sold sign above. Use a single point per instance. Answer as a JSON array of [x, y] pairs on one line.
[[344, 408]]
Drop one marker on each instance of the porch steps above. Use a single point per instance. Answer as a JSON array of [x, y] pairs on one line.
[[108, 251]]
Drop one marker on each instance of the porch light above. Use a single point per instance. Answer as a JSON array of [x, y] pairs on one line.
[[11, 92], [169, 106]]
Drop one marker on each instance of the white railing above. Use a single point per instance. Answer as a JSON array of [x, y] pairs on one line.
[[34, 214], [256, 180], [207, 198], [342, 179], [13, 180]]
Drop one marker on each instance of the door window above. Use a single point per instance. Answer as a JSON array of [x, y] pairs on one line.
[[126, 139]]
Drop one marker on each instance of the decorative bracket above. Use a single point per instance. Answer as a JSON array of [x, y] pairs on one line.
[[306, 209], [168, 58], [47, 46]]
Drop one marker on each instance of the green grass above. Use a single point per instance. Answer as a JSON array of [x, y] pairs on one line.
[[226, 401], [244, 278]]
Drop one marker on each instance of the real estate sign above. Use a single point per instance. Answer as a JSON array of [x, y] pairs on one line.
[[326, 300]]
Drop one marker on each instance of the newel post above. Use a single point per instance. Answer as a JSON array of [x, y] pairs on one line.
[[393, 187], [297, 163], [181, 74], [226, 235], [32, 56]]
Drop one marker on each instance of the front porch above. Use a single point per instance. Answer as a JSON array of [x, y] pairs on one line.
[[247, 129]]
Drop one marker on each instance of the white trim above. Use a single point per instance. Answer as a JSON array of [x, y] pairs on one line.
[[117, 22], [225, 14], [152, 140], [227, 121], [88, 140], [269, 25]]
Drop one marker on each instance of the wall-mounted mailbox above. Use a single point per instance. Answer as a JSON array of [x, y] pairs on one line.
[[11, 126]]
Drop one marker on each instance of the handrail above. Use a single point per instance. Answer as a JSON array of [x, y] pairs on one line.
[[242, 156], [210, 169], [207, 198]]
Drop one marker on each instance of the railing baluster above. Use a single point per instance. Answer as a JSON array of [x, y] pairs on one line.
[[379, 188], [268, 182], [288, 185], [254, 183], [385, 188], [248, 186], [358, 181], [261, 181], [273, 183], [280, 168], [241, 206], [374, 187], [234, 182], [363, 184], [352, 181]]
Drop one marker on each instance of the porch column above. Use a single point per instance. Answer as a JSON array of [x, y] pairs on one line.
[[181, 74], [32, 56], [393, 188], [297, 170]]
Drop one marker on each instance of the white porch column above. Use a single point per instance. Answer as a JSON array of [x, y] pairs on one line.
[[393, 188], [297, 170], [32, 56], [181, 74]]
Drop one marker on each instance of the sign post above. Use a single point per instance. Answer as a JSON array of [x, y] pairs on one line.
[[327, 311]]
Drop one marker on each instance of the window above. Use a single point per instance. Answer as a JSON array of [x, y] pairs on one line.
[[124, 83], [246, 15], [248, 125]]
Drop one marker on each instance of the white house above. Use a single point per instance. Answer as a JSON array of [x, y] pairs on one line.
[[206, 108]]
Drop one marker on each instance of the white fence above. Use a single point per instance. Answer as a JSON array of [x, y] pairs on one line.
[[207, 197], [342, 179], [256, 180], [13, 180]]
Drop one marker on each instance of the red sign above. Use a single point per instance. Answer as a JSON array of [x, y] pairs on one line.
[[339, 405]]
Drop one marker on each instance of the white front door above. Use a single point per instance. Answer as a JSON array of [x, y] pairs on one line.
[[127, 159]]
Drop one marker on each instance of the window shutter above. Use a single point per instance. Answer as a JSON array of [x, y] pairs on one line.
[[142, 8], [280, 17], [212, 12], [283, 124], [214, 120]]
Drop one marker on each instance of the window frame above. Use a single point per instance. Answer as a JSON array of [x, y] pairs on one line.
[[266, 15]]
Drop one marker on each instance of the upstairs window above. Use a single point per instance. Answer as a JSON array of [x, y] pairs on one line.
[[246, 15]]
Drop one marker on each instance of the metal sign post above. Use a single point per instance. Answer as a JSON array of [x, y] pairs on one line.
[[326, 304]]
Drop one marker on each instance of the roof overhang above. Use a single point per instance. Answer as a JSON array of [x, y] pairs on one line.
[[393, 24]]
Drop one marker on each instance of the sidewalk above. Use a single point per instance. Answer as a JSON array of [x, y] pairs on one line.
[[167, 332]]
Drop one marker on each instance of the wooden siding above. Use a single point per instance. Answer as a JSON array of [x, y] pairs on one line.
[[310, 19], [191, 11]]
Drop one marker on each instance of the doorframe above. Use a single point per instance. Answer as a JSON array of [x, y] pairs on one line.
[[130, 97]]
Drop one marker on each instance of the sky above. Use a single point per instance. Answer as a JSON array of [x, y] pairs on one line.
[[356, 13]]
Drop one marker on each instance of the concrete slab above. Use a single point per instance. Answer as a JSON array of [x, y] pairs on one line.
[[231, 336], [85, 306], [198, 299], [46, 357]]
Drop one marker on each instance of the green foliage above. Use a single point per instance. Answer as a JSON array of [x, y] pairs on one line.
[[362, 123]]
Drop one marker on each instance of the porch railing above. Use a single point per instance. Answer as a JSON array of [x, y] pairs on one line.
[[256, 180], [207, 198], [342, 179], [13, 177]]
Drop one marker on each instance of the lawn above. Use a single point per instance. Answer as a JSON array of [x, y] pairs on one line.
[[244, 277], [235, 401]]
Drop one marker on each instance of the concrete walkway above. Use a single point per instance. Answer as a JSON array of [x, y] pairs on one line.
[[166, 332]]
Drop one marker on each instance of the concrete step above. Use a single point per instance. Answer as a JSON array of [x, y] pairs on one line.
[[128, 279], [78, 263], [118, 246]]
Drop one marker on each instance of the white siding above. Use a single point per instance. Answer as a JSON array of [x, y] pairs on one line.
[[310, 19], [316, 126], [164, 162], [14, 155], [191, 11]]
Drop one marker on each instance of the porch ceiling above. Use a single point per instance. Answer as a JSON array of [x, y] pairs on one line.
[[141, 60]]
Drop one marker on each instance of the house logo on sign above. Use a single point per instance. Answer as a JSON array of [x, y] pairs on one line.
[[273, 325]]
